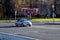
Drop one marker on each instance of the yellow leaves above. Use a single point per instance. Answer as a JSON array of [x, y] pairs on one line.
[[18, 5]]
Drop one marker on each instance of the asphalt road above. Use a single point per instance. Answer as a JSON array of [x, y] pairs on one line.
[[41, 31]]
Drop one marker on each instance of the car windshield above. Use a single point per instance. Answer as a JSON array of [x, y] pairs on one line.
[[22, 19]]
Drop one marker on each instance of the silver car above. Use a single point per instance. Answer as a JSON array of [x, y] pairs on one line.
[[23, 22]]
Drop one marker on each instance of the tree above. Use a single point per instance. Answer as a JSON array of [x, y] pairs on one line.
[[8, 8]]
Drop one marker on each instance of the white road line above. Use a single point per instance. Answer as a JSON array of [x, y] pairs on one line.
[[19, 36]]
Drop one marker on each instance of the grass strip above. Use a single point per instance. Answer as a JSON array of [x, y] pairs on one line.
[[37, 20]]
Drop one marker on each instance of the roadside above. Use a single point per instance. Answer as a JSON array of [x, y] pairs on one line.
[[37, 20]]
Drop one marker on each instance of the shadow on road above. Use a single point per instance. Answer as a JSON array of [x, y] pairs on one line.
[[52, 23], [46, 24], [8, 26], [12, 25]]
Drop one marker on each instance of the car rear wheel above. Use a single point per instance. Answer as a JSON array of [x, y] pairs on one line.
[[16, 25]]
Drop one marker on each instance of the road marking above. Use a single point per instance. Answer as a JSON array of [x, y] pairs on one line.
[[19, 36]]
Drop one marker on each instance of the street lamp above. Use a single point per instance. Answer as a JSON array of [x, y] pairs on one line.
[[53, 8], [53, 15]]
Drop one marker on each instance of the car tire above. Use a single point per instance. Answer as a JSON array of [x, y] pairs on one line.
[[29, 25], [16, 25]]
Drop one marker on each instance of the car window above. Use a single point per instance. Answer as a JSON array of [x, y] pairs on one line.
[[18, 20], [22, 19]]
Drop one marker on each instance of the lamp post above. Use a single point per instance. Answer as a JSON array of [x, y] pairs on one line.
[[54, 10], [53, 15]]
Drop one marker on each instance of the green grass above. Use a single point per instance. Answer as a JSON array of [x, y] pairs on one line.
[[37, 20], [7, 20], [45, 20]]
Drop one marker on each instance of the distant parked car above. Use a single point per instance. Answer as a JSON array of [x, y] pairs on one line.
[[23, 22]]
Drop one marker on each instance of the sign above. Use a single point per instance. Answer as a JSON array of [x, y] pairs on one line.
[[30, 10]]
